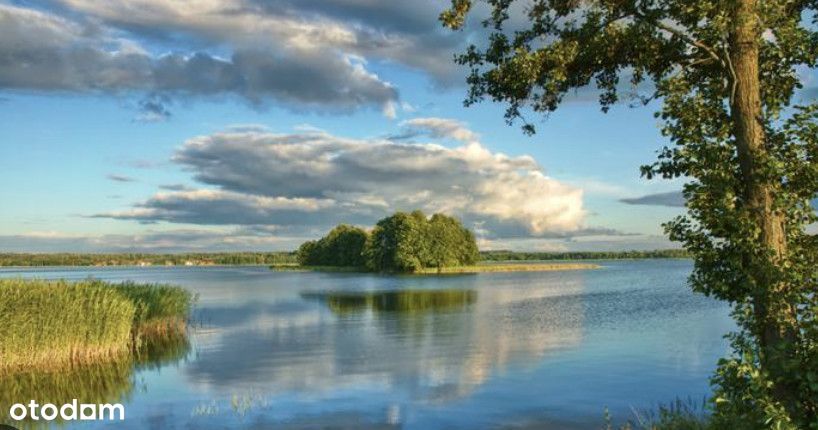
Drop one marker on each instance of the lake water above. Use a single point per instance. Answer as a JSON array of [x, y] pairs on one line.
[[502, 350]]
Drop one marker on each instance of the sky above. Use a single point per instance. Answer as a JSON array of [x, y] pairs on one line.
[[216, 125]]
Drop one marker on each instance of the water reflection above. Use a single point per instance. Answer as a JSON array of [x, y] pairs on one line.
[[112, 382], [515, 350], [403, 301], [436, 345]]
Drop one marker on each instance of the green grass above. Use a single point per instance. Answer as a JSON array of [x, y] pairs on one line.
[[160, 310], [53, 325], [678, 415]]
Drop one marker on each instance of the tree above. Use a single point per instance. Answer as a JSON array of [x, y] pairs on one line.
[[307, 254], [342, 246], [445, 237], [726, 74], [398, 243], [408, 242], [450, 244]]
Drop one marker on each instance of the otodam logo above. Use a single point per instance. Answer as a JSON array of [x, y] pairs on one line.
[[73, 411]]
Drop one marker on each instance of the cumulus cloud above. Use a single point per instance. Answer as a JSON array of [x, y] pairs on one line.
[[45, 52], [315, 178]]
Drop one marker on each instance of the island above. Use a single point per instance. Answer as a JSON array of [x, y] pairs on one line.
[[406, 243]]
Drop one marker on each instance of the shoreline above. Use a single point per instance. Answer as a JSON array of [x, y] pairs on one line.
[[295, 267], [456, 270]]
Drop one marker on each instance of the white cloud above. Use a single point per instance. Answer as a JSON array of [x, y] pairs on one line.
[[316, 178]]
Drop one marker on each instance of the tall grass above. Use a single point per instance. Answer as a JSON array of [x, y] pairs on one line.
[[160, 310], [52, 325], [677, 415]]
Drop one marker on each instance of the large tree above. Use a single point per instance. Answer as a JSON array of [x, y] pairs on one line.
[[408, 242], [725, 73], [342, 246]]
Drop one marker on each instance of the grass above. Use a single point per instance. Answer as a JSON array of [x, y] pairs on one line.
[[480, 268], [54, 325], [678, 415], [160, 310]]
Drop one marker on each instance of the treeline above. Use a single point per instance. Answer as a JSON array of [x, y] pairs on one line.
[[403, 242], [584, 255], [143, 259]]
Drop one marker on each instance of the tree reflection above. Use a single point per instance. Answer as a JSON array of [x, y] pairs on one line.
[[402, 301]]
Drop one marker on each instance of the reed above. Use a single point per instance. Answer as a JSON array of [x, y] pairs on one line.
[[54, 325], [160, 310]]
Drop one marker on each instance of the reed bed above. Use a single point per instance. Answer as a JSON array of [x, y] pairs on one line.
[[160, 310], [54, 325]]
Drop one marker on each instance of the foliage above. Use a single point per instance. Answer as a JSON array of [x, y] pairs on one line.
[[136, 259], [450, 244], [402, 242], [726, 73], [59, 324], [409, 242], [502, 255], [342, 246]]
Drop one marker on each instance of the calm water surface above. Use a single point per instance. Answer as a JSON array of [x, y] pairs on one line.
[[504, 350]]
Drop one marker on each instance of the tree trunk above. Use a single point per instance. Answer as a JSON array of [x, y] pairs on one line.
[[775, 316]]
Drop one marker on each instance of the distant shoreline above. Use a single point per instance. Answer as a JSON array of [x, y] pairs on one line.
[[276, 258], [482, 268]]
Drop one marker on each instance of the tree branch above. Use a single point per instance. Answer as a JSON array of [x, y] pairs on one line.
[[684, 36]]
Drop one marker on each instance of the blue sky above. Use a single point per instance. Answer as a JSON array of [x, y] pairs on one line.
[[142, 127]]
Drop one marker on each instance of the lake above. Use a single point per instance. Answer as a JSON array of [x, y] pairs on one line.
[[496, 350]]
